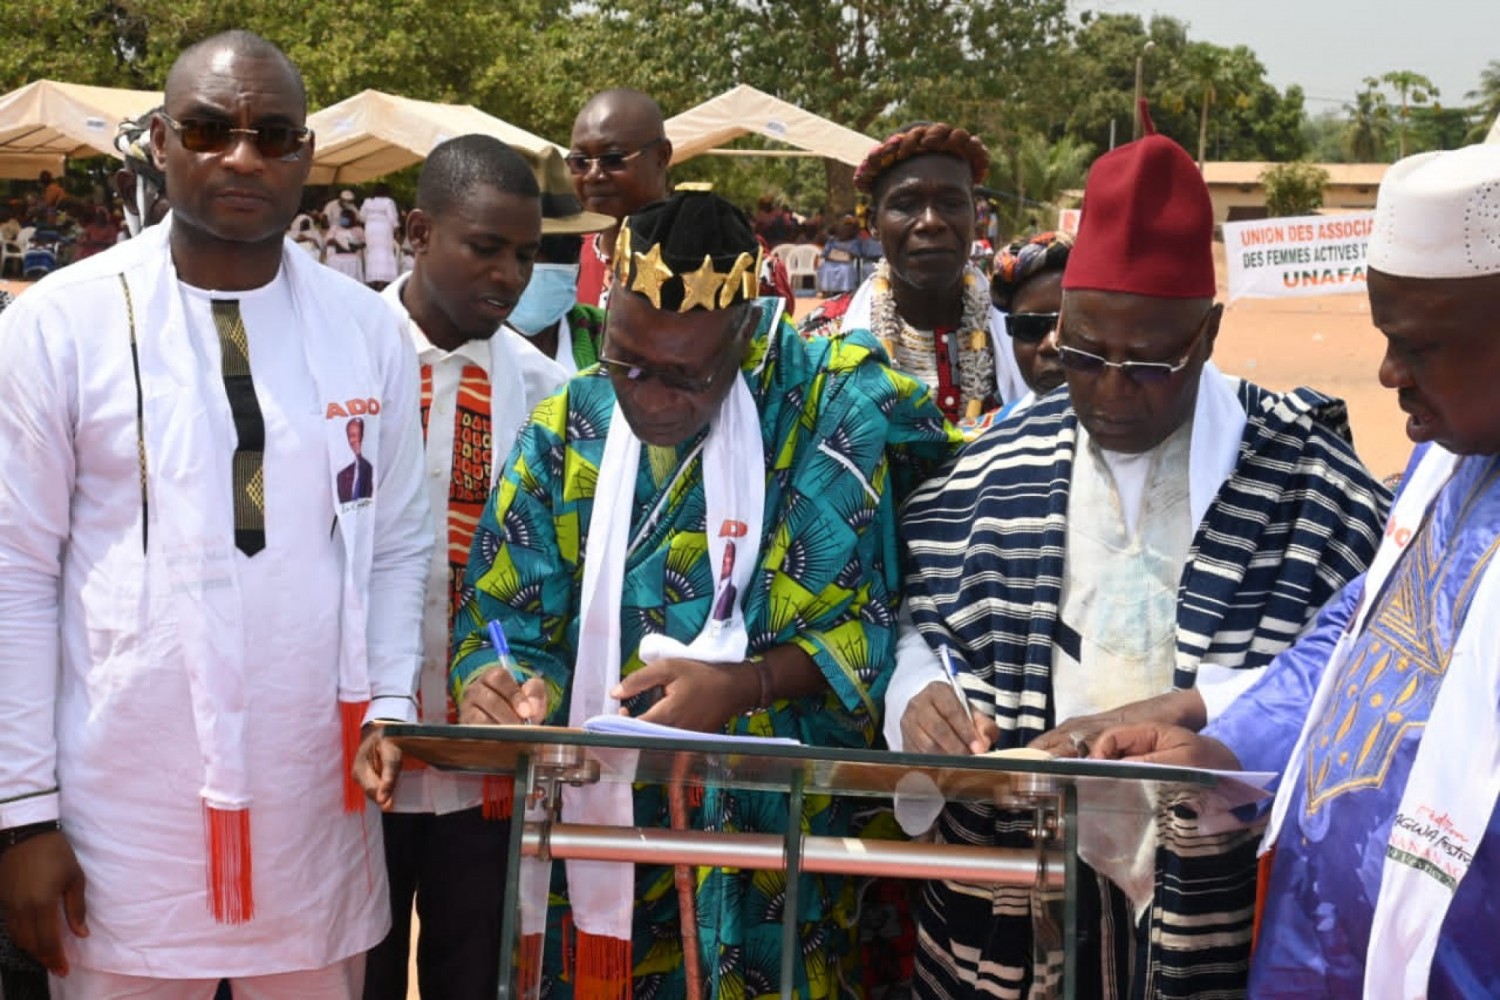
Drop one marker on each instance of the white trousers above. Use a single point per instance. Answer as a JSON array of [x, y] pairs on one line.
[[340, 981]]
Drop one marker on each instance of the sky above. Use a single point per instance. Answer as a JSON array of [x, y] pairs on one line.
[[1330, 46]]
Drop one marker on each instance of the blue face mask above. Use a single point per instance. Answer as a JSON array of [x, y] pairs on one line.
[[548, 296]]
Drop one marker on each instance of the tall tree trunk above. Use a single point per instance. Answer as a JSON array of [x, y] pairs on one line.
[[1203, 132], [840, 178]]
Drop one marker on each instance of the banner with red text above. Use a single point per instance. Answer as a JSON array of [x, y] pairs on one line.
[[1303, 255]]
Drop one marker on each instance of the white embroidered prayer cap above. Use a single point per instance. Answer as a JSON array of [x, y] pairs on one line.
[[1438, 215]]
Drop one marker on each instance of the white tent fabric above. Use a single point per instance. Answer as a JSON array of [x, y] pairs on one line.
[[373, 134], [44, 122], [745, 110], [1494, 135]]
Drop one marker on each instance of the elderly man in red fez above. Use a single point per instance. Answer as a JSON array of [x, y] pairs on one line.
[[1142, 543]]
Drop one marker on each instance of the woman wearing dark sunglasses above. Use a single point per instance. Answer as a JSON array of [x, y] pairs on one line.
[[1026, 285]]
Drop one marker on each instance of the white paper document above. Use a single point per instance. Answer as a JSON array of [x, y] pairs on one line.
[[625, 725]]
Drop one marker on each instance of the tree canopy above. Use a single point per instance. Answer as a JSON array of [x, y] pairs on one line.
[[1024, 74]]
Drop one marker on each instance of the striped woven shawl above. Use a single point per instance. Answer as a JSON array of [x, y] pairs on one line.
[[1298, 518]]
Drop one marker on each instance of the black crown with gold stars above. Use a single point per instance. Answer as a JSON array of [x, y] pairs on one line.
[[693, 250]]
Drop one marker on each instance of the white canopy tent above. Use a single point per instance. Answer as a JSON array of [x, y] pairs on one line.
[[45, 122], [373, 134], [744, 110], [1494, 135]]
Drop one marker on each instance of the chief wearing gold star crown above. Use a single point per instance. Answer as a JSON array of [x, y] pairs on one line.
[[731, 490]]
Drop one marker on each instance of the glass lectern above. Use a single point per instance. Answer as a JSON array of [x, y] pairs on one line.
[[1060, 794]]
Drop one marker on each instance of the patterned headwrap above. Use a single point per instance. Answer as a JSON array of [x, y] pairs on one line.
[[133, 141], [919, 140], [1024, 260]]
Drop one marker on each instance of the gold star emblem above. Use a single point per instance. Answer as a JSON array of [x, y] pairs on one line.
[[751, 278], [650, 273], [734, 279], [701, 287]]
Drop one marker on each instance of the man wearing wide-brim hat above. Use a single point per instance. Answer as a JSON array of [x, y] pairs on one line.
[[549, 313]]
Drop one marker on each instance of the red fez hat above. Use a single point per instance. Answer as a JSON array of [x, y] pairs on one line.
[[1148, 224]]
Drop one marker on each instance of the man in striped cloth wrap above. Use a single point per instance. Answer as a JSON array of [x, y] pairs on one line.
[[1139, 545]]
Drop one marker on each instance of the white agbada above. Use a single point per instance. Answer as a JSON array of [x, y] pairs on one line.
[[520, 377], [94, 686]]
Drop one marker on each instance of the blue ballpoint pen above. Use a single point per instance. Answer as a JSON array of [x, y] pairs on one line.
[[502, 648], [958, 689]]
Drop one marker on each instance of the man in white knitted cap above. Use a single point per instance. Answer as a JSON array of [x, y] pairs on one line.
[[1383, 721]]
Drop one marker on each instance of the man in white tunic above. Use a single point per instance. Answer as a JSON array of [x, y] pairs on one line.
[[192, 627], [476, 229]]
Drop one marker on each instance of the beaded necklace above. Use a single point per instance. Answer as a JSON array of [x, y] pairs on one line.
[[958, 364]]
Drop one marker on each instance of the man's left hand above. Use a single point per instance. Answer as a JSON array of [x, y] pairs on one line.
[[377, 765], [699, 696], [1077, 736]]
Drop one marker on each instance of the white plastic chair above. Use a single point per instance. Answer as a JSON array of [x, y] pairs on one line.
[[802, 267], [15, 250]]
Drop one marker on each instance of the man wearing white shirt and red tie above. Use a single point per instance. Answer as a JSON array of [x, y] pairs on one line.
[[475, 230], [193, 625]]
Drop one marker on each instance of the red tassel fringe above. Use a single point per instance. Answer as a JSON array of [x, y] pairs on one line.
[[499, 796], [1262, 890], [230, 894], [603, 970], [529, 964], [352, 719]]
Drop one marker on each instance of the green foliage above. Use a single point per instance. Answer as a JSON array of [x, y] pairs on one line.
[[1293, 188], [1036, 171], [1486, 110], [1212, 99], [1041, 88], [1411, 88], [1367, 134]]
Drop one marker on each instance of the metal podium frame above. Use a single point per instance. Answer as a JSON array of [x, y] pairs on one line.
[[545, 759]]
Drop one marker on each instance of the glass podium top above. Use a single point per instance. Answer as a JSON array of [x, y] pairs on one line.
[[747, 764]]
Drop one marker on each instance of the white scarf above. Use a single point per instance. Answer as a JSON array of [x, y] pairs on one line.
[[189, 439], [1456, 773], [602, 893]]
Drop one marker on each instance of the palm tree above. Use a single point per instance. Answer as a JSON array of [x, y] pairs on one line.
[[1487, 108], [1411, 88], [1042, 170], [1368, 132], [1212, 74]]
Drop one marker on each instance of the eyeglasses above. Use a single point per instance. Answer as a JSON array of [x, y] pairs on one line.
[[1139, 372], [638, 374], [611, 163], [1030, 328], [215, 135]]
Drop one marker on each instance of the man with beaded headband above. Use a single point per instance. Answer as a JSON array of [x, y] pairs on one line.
[[925, 303], [1160, 529], [699, 530]]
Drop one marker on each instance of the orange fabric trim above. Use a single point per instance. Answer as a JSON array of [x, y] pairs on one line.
[[1262, 890], [499, 796], [603, 968], [231, 894], [351, 720]]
